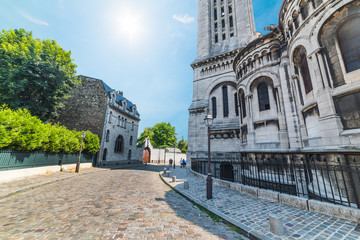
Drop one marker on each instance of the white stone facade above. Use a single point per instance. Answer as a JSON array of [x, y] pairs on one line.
[[296, 88], [119, 143]]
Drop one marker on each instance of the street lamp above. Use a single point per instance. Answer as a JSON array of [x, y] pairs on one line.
[[83, 135], [208, 122]]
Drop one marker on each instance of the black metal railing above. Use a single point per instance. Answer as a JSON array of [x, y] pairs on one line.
[[324, 177]]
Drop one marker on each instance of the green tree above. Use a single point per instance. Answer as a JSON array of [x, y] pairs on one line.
[[148, 132], [182, 145], [34, 74], [161, 135]]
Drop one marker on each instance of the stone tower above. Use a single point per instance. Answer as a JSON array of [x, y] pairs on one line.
[[224, 27]]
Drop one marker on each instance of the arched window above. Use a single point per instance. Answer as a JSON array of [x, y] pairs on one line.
[[122, 122], [119, 121], [214, 110], [225, 101], [236, 104], [110, 116], [119, 144], [243, 104], [305, 73], [131, 140], [263, 95], [129, 155], [348, 36], [125, 123], [104, 154], [107, 136]]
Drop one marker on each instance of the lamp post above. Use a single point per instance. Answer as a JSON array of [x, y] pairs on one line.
[[83, 135], [208, 122]]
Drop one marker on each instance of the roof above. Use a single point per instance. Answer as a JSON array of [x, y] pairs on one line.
[[118, 97]]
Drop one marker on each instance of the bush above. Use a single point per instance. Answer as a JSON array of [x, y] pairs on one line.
[[21, 131]]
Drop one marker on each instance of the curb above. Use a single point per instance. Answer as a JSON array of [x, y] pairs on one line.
[[30, 187], [244, 229]]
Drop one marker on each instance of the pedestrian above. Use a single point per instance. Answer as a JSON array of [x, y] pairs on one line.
[[170, 162], [181, 163], [184, 162]]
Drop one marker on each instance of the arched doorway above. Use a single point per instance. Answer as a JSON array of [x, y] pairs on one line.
[[146, 155]]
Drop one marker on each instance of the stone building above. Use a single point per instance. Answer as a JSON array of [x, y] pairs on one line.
[[288, 98], [96, 107], [294, 88], [161, 155]]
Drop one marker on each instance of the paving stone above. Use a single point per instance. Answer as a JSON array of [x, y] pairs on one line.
[[110, 204], [253, 212]]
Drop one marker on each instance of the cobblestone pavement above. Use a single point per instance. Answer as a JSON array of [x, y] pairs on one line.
[[252, 213], [24, 184], [110, 204]]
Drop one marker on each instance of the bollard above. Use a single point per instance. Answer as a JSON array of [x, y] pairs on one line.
[[186, 184], [174, 179], [165, 170], [276, 224], [167, 173]]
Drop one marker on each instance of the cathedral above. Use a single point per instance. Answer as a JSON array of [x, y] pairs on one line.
[[295, 89]]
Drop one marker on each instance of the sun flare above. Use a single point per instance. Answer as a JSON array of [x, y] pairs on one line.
[[131, 26]]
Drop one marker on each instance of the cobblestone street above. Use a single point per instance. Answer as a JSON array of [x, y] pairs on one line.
[[107, 204]]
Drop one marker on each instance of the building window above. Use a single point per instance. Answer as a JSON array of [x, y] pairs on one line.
[[122, 122], [225, 101], [110, 117], [131, 140], [231, 22], [216, 38], [222, 12], [243, 105], [214, 110], [119, 121], [104, 154], [107, 136], [349, 41], [223, 24], [236, 104], [125, 123], [129, 155], [215, 14], [119, 144], [132, 126], [305, 73], [215, 27], [223, 36], [230, 9], [263, 95]]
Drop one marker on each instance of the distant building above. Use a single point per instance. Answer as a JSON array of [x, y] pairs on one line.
[[161, 155], [96, 107]]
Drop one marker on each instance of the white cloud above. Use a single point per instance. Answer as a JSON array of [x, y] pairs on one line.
[[183, 18], [33, 19]]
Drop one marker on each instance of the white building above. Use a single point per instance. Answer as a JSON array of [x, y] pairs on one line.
[[295, 88]]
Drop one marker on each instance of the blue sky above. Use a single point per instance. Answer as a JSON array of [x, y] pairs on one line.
[[143, 48]]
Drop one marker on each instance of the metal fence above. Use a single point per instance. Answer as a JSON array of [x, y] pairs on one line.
[[10, 160], [325, 178]]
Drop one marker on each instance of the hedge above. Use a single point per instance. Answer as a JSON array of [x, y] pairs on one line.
[[21, 131]]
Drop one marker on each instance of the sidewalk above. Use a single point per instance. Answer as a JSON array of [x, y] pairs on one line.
[[251, 214], [27, 183]]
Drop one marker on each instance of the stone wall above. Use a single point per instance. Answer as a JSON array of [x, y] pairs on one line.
[[85, 109]]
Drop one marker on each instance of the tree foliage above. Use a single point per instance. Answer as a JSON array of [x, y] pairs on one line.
[[21, 131], [161, 135], [34, 74], [182, 145]]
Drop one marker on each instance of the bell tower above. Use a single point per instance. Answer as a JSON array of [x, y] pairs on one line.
[[223, 25]]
